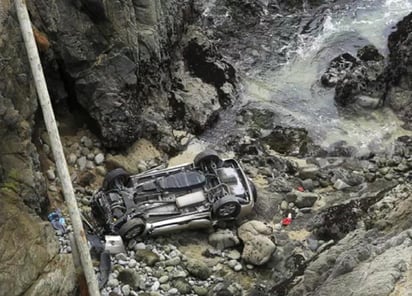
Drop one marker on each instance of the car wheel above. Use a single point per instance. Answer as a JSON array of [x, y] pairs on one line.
[[253, 189], [226, 207], [132, 228], [207, 157], [116, 178]]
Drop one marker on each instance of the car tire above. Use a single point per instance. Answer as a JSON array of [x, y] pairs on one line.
[[253, 189], [226, 207], [132, 229], [115, 178], [206, 157]]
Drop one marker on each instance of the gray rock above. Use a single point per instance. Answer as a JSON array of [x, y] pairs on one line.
[[99, 159], [72, 159], [87, 142], [182, 286], [258, 247], [223, 238], [121, 256], [340, 185], [233, 254], [126, 290], [130, 277], [284, 205], [198, 269], [200, 290], [172, 261], [308, 172], [163, 279], [81, 162], [305, 199], [308, 184], [173, 291], [50, 174]]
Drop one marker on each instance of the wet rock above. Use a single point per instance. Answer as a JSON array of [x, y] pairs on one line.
[[359, 81], [369, 53], [258, 248], [399, 75], [288, 140], [338, 68]]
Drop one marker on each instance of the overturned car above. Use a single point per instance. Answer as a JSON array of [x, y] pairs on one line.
[[192, 195]]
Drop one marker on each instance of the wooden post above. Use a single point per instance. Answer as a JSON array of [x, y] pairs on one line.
[[61, 165]]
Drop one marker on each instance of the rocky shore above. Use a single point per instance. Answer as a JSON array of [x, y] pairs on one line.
[[135, 83]]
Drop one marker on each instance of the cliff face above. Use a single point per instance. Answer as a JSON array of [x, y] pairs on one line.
[[399, 70], [18, 161], [122, 62], [118, 60]]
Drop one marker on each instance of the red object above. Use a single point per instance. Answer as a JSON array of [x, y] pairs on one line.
[[286, 221], [301, 189]]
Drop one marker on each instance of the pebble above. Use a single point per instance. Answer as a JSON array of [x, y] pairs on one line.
[[238, 267], [139, 246], [163, 279], [50, 174], [81, 162], [87, 142], [173, 291], [132, 263], [126, 290], [340, 185], [155, 286], [233, 254], [72, 159], [99, 159]]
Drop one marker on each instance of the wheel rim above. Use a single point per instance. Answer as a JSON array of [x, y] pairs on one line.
[[227, 210]]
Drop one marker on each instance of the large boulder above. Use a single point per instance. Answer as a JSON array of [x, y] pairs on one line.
[[30, 262], [358, 81], [258, 247]]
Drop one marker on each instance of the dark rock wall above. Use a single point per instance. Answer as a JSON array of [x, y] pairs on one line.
[[18, 157], [399, 95], [118, 60]]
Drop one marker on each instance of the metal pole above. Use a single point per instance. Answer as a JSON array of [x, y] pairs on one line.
[[61, 165]]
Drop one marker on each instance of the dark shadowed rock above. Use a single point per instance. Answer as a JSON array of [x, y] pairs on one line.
[[399, 96], [358, 81], [288, 140]]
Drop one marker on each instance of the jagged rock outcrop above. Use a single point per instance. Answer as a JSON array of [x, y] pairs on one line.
[[18, 158], [358, 81], [118, 61], [399, 96], [29, 261]]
